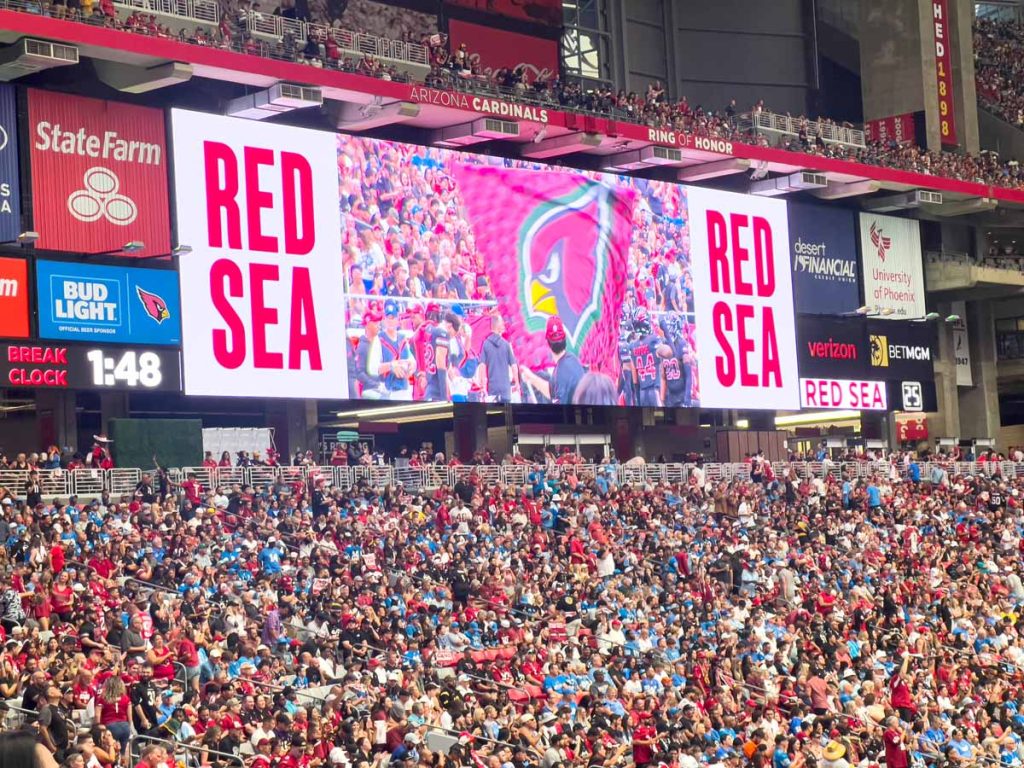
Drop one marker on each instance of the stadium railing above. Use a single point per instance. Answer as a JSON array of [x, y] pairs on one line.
[[199, 11], [360, 43], [777, 125], [58, 483]]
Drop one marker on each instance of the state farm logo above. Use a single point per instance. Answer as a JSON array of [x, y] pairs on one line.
[[880, 240], [3, 138], [101, 199]]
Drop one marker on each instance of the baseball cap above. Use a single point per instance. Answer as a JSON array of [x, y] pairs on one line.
[[555, 329], [371, 315], [433, 307], [390, 308]]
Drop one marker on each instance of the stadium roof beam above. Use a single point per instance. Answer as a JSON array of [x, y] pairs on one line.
[[275, 100], [903, 201], [128, 78], [562, 145], [801, 181], [362, 117], [964, 207], [714, 170], [837, 191], [476, 132]]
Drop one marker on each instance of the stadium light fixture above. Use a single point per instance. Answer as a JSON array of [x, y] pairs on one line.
[[951, 319], [929, 318], [25, 238], [132, 246]]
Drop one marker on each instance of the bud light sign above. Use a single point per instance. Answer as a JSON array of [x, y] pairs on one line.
[[823, 249], [114, 304], [10, 192]]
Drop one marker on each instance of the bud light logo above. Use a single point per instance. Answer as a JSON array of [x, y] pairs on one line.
[[101, 303]]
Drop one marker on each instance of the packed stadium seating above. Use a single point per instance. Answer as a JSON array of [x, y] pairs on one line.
[[332, 46], [560, 616]]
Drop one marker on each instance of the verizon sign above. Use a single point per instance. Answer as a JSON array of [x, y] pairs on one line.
[[844, 394], [259, 205], [99, 174]]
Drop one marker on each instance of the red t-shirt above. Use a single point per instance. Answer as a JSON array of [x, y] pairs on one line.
[[116, 712], [895, 755], [643, 753]]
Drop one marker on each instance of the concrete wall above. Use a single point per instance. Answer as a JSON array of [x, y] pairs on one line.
[[714, 52], [898, 65]]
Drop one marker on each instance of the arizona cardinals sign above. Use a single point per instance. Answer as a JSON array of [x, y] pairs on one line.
[[125, 305], [892, 267]]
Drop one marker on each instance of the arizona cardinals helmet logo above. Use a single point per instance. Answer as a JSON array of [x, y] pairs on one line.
[[563, 260], [155, 306], [880, 241]]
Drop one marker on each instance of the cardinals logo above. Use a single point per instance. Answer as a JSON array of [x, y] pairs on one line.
[[880, 241], [155, 306], [564, 247]]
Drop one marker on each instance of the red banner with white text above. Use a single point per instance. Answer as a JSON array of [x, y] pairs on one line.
[[495, 49]]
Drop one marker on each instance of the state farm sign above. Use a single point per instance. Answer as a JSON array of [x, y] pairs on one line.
[[99, 174], [845, 394], [259, 205]]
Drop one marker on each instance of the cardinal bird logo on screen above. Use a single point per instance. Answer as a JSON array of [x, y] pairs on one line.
[[563, 256], [880, 241], [155, 306]]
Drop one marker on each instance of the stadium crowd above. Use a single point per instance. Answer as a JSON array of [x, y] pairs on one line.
[[780, 621], [997, 75]]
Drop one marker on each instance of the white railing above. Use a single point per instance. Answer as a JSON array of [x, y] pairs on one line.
[[359, 43], [770, 122], [61, 483], [203, 11]]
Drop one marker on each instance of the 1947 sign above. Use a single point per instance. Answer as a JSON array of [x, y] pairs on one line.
[[84, 366]]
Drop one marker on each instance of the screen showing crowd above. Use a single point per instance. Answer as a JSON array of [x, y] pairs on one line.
[[475, 279]]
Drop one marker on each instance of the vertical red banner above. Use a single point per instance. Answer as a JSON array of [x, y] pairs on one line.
[[898, 128], [944, 70]]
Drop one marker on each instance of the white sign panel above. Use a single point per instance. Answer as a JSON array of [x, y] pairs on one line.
[[893, 268], [961, 346], [845, 394], [258, 204], [743, 299]]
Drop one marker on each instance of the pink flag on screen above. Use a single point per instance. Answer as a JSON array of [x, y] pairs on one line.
[[553, 243]]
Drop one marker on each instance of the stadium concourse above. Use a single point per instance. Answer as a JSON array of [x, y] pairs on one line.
[[330, 46], [865, 614]]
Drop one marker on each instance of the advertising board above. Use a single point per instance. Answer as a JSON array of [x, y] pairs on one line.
[[904, 351], [14, 298], [10, 180], [833, 348], [99, 174], [823, 246], [41, 365], [259, 207], [892, 265], [124, 305], [493, 49]]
